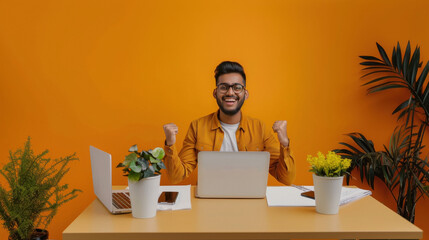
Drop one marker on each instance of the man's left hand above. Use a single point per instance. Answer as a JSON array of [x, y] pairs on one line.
[[280, 127]]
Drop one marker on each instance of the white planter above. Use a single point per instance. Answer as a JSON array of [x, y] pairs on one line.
[[144, 196], [327, 191]]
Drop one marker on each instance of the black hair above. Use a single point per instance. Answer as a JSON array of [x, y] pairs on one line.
[[229, 67]]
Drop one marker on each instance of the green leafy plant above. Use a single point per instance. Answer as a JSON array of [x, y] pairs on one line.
[[333, 165], [400, 164], [138, 165], [34, 193]]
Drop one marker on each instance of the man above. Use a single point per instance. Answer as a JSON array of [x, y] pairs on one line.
[[229, 129]]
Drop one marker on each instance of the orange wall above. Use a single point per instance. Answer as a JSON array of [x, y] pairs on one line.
[[111, 73]]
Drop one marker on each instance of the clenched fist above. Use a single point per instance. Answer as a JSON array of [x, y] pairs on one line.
[[280, 127], [170, 131]]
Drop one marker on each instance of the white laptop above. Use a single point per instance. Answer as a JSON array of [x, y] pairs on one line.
[[116, 201], [232, 174]]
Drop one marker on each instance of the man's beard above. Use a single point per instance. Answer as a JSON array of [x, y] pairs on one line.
[[230, 112]]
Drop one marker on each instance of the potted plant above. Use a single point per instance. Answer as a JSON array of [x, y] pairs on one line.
[[34, 192], [400, 165], [143, 171], [328, 174]]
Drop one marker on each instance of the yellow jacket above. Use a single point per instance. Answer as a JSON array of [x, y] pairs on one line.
[[206, 134]]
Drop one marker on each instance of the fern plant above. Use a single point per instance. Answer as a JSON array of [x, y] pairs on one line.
[[399, 165], [34, 191]]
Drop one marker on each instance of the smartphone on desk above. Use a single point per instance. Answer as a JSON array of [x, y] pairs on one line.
[[168, 198], [308, 194]]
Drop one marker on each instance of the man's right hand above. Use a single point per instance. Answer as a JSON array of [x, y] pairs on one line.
[[170, 131]]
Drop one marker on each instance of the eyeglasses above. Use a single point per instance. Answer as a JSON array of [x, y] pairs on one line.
[[224, 88]]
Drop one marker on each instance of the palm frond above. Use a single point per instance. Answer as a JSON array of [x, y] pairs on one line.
[[383, 54], [406, 61], [404, 69], [401, 106], [398, 62]]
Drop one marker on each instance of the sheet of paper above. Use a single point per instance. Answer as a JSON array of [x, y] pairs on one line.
[[183, 200], [287, 196], [291, 196]]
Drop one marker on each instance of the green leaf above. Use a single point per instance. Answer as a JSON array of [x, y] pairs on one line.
[[153, 160], [132, 157], [146, 155], [412, 68], [406, 61], [403, 113], [378, 89], [135, 167], [377, 67], [386, 176], [383, 54], [348, 179], [344, 152], [155, 168], [381, 78], [372, 63], [402, 106], [402, 176], [398, 58], [420, 134], [361, 143], [158, 153], [423, 75], [351, 147], [148, 173], [394, 57], [361, 173], [370, 58], [161, 165], [133, 148], [422, 169], [387, 83], [143, 162], [425, 95], [368, 142], [133, 176], [120, 165], [371, 175]]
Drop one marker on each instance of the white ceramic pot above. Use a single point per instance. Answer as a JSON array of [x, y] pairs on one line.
[[144, 196], [327, 191]]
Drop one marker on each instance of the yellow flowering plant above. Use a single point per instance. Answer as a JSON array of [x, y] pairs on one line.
[[333, 165]]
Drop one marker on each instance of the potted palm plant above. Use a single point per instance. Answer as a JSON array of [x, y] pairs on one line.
[[143, 172], [328, 175], [34, 192], [400, 165]]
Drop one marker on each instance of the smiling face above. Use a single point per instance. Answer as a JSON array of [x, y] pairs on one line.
[[230, 102]]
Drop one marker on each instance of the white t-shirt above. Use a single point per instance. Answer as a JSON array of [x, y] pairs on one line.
[[229, 143]]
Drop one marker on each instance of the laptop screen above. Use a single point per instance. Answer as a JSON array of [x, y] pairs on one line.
[[101, 166]]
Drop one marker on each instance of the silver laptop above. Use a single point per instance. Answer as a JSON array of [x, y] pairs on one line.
[[116, 201], [232, 174]]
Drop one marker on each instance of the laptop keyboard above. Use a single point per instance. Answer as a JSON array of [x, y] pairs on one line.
[[121, 200]]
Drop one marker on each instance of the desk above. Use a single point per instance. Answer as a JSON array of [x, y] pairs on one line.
[[250, 219]]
